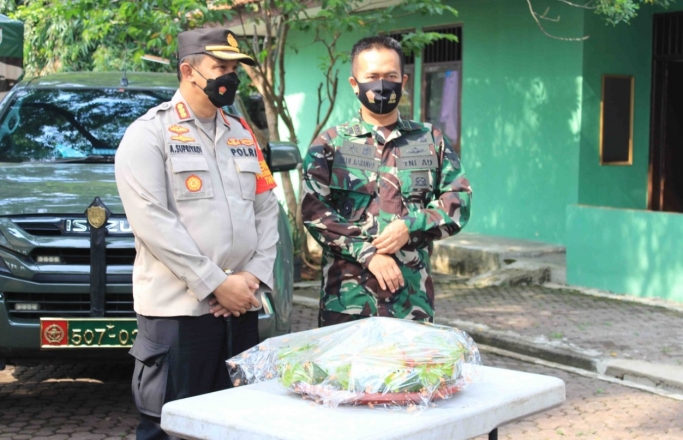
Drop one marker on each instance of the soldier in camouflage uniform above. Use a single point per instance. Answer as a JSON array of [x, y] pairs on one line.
[[378, 190]]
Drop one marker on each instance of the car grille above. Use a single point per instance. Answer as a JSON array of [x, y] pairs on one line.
[[67, 305], [123, 257], [41, 229]]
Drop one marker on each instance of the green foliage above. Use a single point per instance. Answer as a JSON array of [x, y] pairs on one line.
[[623, 11], [76, 35]]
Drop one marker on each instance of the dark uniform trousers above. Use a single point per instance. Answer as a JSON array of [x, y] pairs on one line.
[[184, 356]]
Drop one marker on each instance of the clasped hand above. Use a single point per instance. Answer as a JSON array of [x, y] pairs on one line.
[[235, 295], [382, 265]]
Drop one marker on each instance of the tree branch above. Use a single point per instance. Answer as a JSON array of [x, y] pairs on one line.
[[545, 16], [282, 31], [584, 6], [540, 26]]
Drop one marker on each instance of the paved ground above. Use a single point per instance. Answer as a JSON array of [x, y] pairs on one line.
[[607, 328], [610, 327], [93, 402]]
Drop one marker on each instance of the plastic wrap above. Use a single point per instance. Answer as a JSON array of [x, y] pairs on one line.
[[385, 362]]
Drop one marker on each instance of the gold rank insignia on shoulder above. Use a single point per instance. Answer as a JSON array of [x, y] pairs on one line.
[[183, 138], [177, 129], [193, 183], [181, 111]]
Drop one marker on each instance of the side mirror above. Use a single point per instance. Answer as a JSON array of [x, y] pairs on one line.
[[283, 156]]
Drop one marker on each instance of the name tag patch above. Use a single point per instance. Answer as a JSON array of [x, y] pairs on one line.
[[409, 163], [358, 156], [192, 149], [356, 162]]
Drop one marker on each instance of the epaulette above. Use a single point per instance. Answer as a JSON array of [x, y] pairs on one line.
[[151, 113]]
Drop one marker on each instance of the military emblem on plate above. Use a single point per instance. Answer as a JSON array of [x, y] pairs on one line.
[[97, 215], [54, 334], [193, 183], [231, 41]]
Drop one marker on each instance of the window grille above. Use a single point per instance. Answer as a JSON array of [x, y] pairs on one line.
[[441, 51], [668, 35]]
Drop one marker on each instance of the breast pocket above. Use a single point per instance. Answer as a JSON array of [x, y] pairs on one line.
[[351, 192], [417, 166], [417, 185], [247, 170], [191, 178]]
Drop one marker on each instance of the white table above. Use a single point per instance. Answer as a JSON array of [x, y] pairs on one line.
[[268, 411]]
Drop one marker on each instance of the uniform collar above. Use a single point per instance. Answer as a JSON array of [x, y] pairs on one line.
[[358, 127], [184, 113]]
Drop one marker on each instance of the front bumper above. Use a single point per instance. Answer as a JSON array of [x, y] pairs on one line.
[[20, 337]]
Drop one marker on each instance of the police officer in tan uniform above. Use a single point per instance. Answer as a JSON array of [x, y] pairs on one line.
[[199, 198]]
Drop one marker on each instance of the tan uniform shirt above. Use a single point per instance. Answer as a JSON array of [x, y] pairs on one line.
[[193, 208]]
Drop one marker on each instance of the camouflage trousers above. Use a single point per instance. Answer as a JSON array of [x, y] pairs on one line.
[[350, 292], [326, 318]]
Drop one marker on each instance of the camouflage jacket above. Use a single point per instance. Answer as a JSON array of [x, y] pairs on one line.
[[356, 182]]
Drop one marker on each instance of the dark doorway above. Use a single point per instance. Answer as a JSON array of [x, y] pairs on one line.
[[666, 149]]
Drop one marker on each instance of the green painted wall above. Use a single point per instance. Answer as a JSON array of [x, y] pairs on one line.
[[625, 251], [521, 118], [521, 112], [617, 50], [629, 54]]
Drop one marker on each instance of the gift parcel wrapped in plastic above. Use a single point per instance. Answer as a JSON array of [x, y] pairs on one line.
[[375, 361]]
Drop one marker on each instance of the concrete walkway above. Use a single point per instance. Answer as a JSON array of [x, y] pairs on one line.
[[616, 336]]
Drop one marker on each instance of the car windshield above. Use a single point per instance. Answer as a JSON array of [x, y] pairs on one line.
[[71, 125]]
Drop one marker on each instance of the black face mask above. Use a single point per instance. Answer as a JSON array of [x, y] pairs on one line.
[[384, 95], [221, 91]]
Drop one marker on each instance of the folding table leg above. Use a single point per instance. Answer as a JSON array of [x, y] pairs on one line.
[[493, 435]]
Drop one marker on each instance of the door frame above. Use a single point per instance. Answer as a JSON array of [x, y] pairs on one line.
[[662, 55]]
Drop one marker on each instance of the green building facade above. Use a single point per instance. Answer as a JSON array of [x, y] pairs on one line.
[[549, 158]]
